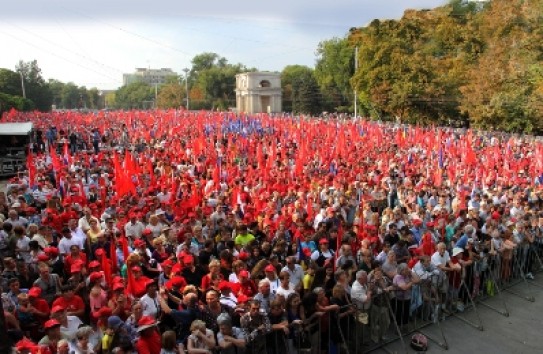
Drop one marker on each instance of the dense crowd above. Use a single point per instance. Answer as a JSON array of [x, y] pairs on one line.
[[171, 231]]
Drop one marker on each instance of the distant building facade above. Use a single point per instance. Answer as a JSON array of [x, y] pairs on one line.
[[149, 76], [258, 92]]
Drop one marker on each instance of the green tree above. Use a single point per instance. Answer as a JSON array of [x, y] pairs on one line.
[[138, 95], [36, 88], [10, 82], [333, 72], [70, 96], [93, 98], [301, 93], [56, 88], [171, 95]]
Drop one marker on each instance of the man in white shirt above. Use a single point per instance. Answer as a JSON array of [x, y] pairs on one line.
[[68, 241], [76, 232], [68, 324], [84, 222], [133, 228], [441, 258], [285, 286], [294, 270], [360, 294], [149, 301]]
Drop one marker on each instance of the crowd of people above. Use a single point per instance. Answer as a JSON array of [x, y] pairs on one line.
[[174, 231]]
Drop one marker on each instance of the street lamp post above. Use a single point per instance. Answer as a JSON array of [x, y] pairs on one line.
[[22, 83], [186, 70]]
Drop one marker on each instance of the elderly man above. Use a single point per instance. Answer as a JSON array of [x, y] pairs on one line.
[[264, 296], [360, 294]]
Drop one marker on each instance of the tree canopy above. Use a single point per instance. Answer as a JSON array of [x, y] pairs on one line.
[[459, 63]]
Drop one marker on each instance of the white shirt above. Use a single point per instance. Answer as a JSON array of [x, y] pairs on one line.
[[274, 284], [150, 306], [316, 254], [78, 234], [22, 244], [65, 244], [296, 275], [230, 300], [359, 295], [134, 230], [286, 292], [73, 324], [439, 260]]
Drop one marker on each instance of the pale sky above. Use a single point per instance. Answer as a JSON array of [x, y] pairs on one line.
[[92, 43]]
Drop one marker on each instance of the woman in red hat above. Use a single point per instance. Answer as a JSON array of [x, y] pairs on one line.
[[149, 341]]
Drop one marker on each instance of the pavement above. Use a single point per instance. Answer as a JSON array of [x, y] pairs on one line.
[[519, 333]]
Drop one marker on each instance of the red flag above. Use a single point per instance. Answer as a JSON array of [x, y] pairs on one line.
[[113, 255], [106, 266], [31, 168]]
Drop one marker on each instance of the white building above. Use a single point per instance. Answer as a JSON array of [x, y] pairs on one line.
[[258, 92], [149, 76]]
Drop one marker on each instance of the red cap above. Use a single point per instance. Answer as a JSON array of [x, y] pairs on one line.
[[417, 222], [167, 263], [94, 264], [244, 274], [177, 268], [51, 323], [136, 269], [269, 268], [25, 344], [243, 255], [43, 258], [118, 286], [57, 308], [496, 215], [51, 250], [178, 281], [430, 224], [99, 253], [139, 243], [306, 251], [95, 276], [147, 232], [34, 291], [223, 285], [188, 259], [146, 321], [323, 241]]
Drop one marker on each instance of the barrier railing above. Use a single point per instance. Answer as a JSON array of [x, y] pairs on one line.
[[395, 314]]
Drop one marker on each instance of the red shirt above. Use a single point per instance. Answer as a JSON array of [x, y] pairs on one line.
[[150, 344], [73, 304], [248, 288], [42, 306]]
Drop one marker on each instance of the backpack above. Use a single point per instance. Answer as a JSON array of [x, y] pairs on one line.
[[419, 342]]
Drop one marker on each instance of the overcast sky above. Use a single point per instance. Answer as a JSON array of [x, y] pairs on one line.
[[93, 43]]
